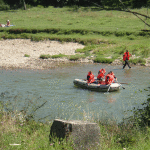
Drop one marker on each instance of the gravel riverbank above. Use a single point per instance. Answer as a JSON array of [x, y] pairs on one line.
[[13, 54]]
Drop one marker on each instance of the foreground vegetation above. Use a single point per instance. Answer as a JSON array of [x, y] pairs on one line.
[[105, 34], [18, 130]]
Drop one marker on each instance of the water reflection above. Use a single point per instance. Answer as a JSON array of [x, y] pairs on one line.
[[111, 99]]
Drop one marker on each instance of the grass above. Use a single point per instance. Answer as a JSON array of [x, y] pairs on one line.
[[76, 57], [35, 135], [104, 33], [26, 55], [53, 56]]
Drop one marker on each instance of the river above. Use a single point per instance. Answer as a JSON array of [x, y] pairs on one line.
[[21, 89]]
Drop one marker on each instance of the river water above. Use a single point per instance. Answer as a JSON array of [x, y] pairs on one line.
[[27, 89]]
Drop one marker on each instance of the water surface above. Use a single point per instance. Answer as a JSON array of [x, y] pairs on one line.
[[68, 102]]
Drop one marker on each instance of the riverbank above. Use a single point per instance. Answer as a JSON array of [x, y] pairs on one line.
[[25, 54]]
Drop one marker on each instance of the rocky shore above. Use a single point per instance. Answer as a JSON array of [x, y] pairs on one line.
[[13, 53]]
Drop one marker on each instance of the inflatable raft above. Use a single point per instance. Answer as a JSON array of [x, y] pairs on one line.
[[95, 86]]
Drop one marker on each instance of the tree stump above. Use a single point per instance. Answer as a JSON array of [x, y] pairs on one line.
[[84, 134]]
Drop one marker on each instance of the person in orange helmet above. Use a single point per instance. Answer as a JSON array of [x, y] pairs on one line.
[[114, 77], [90, 77], [109, 78], [126, 57], [101, 75], [102, 70]]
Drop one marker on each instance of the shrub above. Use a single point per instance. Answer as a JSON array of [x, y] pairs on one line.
[[141, 116], [102, 60], [26, 55], [131, 37], [76, 57], [120, 33], [145, 53], [58, 56], [138, 60], [37, 38], [4, 7], [45, 56]]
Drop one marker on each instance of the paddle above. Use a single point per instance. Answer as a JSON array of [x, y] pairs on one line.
[[124, 83], [108, 90], [122, 86]]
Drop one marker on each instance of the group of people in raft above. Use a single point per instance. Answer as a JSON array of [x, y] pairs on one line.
[[110, 77], [101, 78]]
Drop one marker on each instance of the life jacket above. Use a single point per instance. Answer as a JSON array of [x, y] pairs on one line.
[[100, 75], [88, 75], [109, 79], [102, 71], [124, 57], [90, 78], [127, 55], [114, 77]]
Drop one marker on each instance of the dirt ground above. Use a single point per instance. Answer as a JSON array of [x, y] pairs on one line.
[[13, 53]]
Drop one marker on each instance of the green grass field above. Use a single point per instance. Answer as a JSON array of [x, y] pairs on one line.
[[106, 33]]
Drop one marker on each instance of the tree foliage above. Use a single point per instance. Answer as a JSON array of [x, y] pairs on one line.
[[85, 3]]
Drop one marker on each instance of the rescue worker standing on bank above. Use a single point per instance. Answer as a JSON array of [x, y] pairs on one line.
[[126, 58], [90, 77]]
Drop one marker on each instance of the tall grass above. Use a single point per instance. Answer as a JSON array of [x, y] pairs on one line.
[[29, 134], [19, 127]]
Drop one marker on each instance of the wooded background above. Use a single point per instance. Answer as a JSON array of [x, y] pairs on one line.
[[105, 4]]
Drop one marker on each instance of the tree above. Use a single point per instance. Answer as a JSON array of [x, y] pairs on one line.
[[24, 4]]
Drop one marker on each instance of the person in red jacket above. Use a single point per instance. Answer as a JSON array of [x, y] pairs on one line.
[[114, 77], [90, 77], [102, 70], [101, 75], [109, 78], [126, 57]]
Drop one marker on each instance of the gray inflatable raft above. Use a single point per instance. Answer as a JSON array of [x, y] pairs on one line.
[[96, 87]]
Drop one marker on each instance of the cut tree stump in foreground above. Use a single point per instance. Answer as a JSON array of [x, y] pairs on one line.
[[84, 134]]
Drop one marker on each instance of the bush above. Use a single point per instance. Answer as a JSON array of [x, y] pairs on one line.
[[45, 56], [76, 57], [58, 56], [131, 37], [138, 60], [4, 7], [145, 53], [26, 55], [103, 60]]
